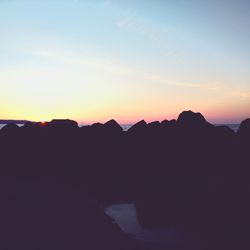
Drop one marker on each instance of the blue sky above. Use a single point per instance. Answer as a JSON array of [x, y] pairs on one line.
[[128, 60]]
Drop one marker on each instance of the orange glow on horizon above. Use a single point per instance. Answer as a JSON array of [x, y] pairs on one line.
[[92, 68]]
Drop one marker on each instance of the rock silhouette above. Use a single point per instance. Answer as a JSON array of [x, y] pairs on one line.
[[191, 119], [113, 126], [9, 128], [138, 127], [62, 124], [244, 130], [184, 173], [53, 213]]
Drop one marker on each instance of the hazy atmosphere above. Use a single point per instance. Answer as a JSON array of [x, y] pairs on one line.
[[128, 60], [124, 124]]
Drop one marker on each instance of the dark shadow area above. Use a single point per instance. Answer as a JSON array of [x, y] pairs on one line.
[[184, 173]]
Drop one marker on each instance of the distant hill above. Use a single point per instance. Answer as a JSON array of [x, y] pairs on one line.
[[13, 121]]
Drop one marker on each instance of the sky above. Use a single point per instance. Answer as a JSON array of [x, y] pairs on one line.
[[93, 60]]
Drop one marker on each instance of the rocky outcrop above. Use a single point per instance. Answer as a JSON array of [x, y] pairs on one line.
[[185, 173], [244, 130], [10, 128], [54, 213], [139, 127], [62, 124], [191, 120], [113, 127]]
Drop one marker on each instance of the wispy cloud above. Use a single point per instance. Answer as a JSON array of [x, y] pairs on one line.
[[244, 94], [103, 64], [161, 79], [127, 72], [132, 21], [159, 38]]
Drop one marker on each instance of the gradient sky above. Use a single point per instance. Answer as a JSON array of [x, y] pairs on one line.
[[124, 59]]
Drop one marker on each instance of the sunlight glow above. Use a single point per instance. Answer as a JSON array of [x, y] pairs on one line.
[[96, 60]]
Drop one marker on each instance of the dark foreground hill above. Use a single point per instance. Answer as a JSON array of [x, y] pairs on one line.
[[183, 173]]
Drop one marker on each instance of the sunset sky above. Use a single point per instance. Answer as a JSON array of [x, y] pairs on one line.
[[124, 59]]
